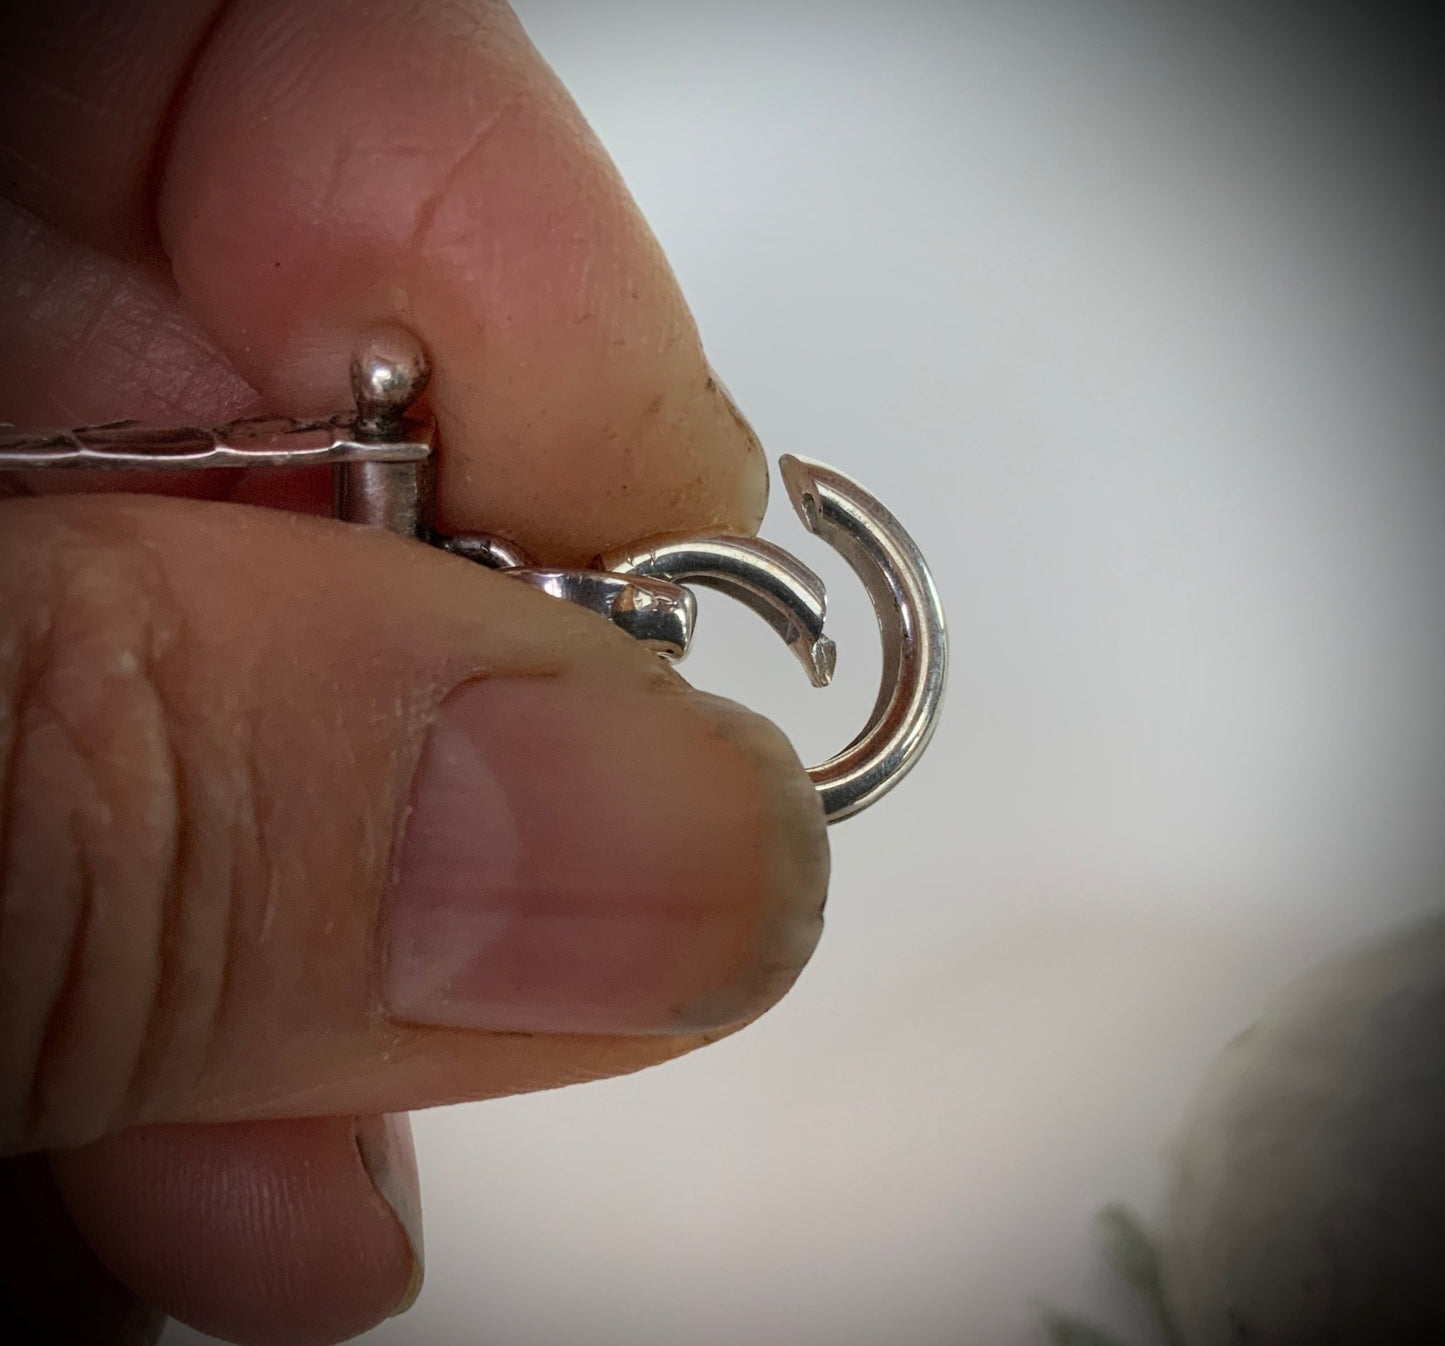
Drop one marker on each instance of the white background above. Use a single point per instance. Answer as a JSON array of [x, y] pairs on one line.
[[1129, 318]]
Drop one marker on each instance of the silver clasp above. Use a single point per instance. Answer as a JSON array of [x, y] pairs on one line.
[[382, 460]]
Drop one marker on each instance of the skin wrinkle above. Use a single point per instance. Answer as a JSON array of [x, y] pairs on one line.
[[90, 323], [261, 819], [67, 306], [203, 996], [37, 652], [110, 284], [180, 997], [35, 1118], [331, 186], [136, 684], [426, 214], [122, 334], [332, 191], [169, 945], [19, 655], [226, 981], [15, 703], [64, 1013], [285, 83], [148, 336]]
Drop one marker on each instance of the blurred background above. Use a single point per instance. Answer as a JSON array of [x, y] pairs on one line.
[[1132, 314]]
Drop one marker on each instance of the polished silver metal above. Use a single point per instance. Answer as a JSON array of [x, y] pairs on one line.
[[911, 625], [395, 496], [382, 459], [253, 441], [659, 614], [389, 371], [496, 553], [792, 599], [772, 582]]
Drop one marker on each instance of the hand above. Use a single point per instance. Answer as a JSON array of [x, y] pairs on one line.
[[305, 825]]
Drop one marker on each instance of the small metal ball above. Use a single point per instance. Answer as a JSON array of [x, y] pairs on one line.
[[389, 371]]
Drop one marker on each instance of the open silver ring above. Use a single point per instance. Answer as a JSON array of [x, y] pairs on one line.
[[792, 600]]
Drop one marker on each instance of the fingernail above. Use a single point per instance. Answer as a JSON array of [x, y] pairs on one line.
[[389, 1158], [581, 859]]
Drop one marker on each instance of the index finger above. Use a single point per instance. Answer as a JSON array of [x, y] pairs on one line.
[[326, 167]]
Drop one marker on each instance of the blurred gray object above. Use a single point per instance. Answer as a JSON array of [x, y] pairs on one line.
[[1308, 1203]]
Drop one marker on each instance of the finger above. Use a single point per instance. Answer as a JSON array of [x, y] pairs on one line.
[[307, 819], [297, 1232], [53, 1288], [91, 337], [334, 165], [88, 93]]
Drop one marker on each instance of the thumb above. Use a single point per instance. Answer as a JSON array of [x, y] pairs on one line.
[[306, 819]]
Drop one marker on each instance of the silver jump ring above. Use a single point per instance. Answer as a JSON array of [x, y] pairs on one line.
[[791, 598], [911, 626]]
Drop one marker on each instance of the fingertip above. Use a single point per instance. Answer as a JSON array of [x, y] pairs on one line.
[[262, 1233], [338, 167]]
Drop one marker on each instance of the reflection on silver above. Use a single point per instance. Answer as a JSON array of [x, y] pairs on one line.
[[389, 371], [395, 496], [254, 441], [772, 582], [383, 459], [659, 614], [496, 553], [910, 622], [792, 600]]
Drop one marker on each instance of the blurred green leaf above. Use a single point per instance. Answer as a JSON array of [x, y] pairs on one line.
[[1130, 1251], [1129, 1248], [1065, 1329]]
